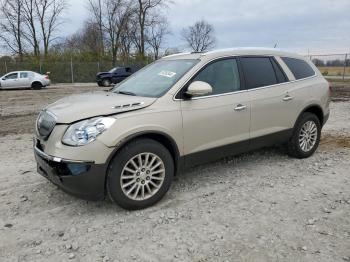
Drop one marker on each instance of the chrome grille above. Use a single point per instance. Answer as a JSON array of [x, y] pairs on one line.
[[45, 123]]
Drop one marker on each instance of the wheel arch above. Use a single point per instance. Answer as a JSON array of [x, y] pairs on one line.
[[316, 110], [109, 78], [161, 137], [36, 82]]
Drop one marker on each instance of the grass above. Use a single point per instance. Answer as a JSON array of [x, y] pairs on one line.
[[334, 70]]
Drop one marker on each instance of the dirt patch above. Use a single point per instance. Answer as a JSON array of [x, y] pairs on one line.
[[334, 141], [340, 90], [21, 124]]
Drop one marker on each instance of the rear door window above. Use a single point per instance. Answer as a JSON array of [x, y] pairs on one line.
[[281, 76], [222, 75], [299, 68], [23, 75], [258, 72]]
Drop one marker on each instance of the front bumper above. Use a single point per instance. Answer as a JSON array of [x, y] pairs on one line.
[[82, 179]]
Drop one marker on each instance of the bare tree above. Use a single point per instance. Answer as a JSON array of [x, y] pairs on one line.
[[125, 24], [96, 9], [83, 41], [48, 13], [89, 41], [143, 12], [156, 35], [30, 22], [199, 37], [135, 34], [11, 26], [126, 40], [117, 15]]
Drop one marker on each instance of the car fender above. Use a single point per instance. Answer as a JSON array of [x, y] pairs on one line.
[[308, 106], [166, 122]]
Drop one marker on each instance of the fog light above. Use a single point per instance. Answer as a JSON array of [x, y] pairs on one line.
[[77, 169]]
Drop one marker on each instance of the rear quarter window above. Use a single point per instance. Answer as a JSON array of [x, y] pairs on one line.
[[299, 68], [23, 75]]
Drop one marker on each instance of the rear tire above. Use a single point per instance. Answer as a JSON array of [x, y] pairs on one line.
[[306, 136], [140, 174], [37, 85]]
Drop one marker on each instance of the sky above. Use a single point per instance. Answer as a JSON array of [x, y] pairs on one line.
[[304, 26]]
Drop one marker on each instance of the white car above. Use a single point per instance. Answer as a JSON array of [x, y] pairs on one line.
[[24, 79]]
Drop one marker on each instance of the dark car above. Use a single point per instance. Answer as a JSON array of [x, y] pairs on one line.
[[114, 76]]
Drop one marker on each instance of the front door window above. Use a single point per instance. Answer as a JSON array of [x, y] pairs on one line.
[[222, 75]]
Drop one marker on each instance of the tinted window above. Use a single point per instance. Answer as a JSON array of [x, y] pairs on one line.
[[12, 76], [222, 75], [281, 77], [23, 75], [120, 70], [299, 68], [258, 72]]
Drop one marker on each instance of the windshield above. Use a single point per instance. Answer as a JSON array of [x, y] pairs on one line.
[[113, 69], [155, 79]]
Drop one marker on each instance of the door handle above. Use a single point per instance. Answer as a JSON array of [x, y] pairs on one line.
[[240, 107], [287, 98]]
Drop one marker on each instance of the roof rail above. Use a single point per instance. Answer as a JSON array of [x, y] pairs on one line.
[[178, 54]]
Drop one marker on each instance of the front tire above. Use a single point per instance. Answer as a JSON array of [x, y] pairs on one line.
[[306, 136], [106, 82], [140, 174]]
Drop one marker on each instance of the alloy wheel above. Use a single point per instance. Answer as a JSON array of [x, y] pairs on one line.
[[142, 176], [308, 136]]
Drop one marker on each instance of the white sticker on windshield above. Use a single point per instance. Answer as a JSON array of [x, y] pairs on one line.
[[167, 73]]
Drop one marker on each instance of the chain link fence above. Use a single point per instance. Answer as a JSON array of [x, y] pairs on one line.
[[63, 72], [333, 66]]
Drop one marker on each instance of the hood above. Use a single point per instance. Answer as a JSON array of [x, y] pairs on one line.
[[82, 106]]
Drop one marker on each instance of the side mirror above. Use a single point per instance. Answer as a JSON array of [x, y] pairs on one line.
[[4, 78], [199, 88]]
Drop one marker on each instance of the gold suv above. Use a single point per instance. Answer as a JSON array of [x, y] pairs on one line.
[[179, 111]]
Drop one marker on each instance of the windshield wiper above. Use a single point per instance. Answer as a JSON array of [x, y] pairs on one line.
[[126, 93]]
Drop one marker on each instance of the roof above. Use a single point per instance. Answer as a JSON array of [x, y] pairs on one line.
[[233, 51], [23, 71]]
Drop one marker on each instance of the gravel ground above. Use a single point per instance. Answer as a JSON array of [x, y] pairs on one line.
[[260, 206]]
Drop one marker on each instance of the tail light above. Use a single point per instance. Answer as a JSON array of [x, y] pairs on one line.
[[47, 77]]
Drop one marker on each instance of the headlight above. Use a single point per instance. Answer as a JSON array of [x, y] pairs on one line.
[[86, 131]]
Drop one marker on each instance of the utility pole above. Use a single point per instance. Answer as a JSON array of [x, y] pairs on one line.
[[346, 58], [71, 69]]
